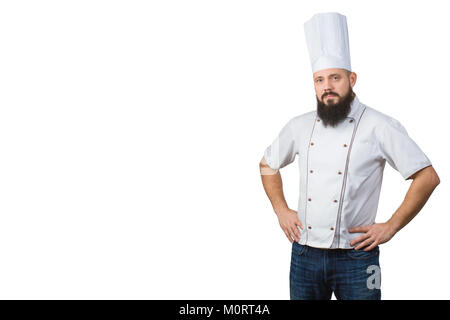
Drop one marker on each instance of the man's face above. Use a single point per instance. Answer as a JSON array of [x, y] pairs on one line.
[[334, 94]]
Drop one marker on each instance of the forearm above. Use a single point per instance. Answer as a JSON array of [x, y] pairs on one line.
[[416, 197], [273, 186]]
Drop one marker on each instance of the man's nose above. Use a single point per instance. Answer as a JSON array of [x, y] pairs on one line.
[[327, 86]]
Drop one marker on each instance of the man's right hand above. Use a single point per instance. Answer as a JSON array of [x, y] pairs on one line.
[[289, 222]]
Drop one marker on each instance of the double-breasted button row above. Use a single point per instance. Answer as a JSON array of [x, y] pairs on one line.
[[331, 228], [351, 120], [311, 171], [345, 145], [309, 199]]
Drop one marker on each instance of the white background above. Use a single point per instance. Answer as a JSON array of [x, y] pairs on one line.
[[131, 132]]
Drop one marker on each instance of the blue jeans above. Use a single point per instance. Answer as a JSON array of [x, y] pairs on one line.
[[351, 274]]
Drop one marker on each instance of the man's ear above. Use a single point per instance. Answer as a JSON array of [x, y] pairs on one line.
[[353, 78]]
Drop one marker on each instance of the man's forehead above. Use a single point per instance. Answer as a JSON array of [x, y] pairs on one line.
[[328, 72]]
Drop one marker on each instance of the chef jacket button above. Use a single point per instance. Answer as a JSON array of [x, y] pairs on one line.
[[318, 120], [339, 172], [309, 227], [331, 228], [345, 145], [309, 199], [334, 200], [351, 121], [312, 143], [311, 171]]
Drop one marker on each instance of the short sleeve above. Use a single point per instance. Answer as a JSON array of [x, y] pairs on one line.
[[282, 151], [400, 151]]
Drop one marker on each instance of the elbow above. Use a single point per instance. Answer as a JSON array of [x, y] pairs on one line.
[[433, 177], [437, 180], [434, 180]]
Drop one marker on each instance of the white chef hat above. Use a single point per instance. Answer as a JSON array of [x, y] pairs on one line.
[[327, 39]]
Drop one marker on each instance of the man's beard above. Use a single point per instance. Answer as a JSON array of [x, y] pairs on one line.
[[333, 113]]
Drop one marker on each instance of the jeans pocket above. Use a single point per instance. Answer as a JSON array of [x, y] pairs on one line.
[[361, 254], [298, 249]]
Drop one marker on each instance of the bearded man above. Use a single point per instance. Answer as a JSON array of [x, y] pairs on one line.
[[343, 146]]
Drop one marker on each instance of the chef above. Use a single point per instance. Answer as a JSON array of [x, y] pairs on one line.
[[342, 148]]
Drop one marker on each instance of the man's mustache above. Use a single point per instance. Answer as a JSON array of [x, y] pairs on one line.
[[329, 94]]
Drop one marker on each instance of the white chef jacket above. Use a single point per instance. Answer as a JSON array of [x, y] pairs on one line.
[[341, 169]]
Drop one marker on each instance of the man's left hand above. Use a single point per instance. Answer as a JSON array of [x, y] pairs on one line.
[[374, 235]]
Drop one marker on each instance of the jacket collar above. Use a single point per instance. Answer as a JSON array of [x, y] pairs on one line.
[[356, 108]]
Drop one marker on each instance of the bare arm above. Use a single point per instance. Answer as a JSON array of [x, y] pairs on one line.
[[273, 186], [424, 183]]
